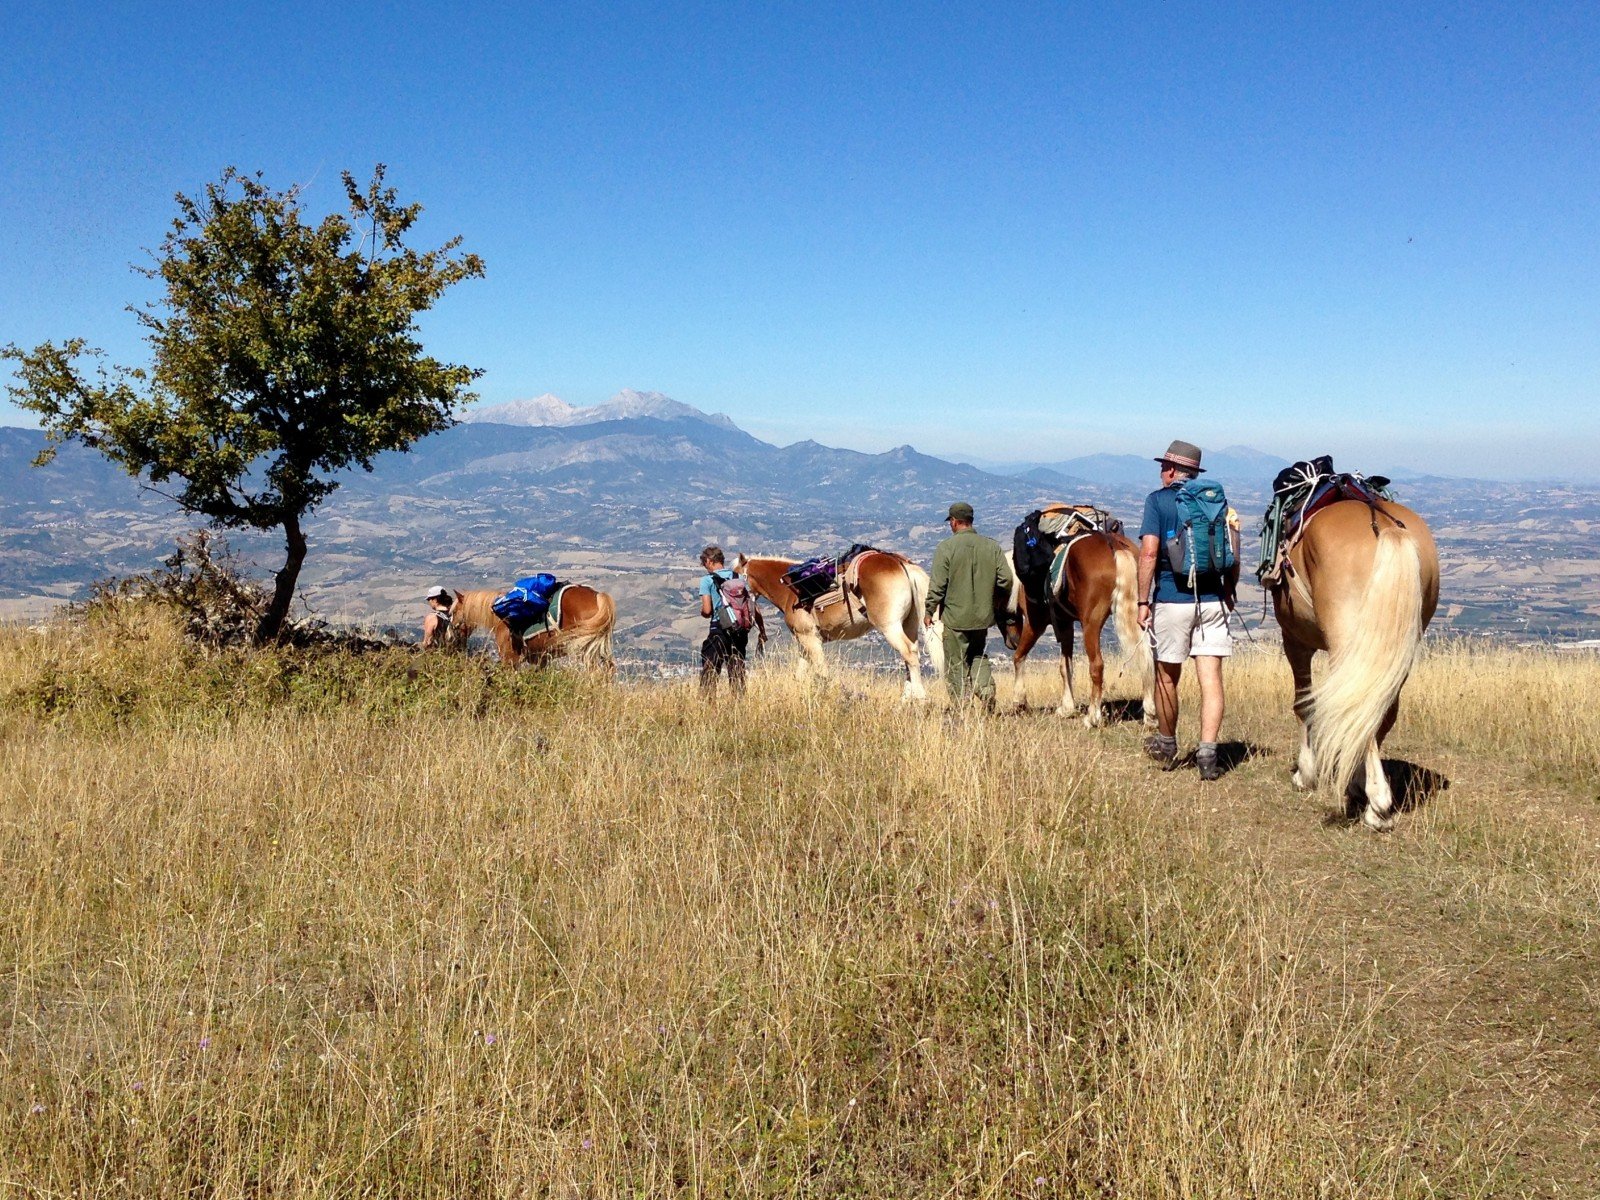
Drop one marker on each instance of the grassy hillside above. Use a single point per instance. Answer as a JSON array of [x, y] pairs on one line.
[[399, 925]]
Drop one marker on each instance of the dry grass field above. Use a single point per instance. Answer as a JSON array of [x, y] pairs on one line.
[[396, 925]]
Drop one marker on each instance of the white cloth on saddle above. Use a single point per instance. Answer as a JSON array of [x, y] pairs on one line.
[[1065, 522]]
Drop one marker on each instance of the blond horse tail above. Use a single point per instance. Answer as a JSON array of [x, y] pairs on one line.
[[1371, 662], [1125, 612], [929, 637], [589, 641]]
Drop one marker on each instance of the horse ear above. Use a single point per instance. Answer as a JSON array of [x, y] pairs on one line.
[[740, 562], [460, 597]]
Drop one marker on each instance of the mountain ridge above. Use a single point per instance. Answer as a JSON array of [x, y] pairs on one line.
[[625, 497]]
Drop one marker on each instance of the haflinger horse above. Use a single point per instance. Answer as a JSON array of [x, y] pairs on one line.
[[586, 619], [1362, 583], [1100, 578], [880, 590]]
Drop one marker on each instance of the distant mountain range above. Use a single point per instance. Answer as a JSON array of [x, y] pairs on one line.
[[1136, 471], [1248, 466], [624, 494]]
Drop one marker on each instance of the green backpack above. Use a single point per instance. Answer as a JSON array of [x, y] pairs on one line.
[[1205, 545]]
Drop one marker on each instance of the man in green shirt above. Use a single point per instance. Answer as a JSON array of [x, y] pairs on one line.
[[968, 569]]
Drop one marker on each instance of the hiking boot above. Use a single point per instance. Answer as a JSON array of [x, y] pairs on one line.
[[1210, 768], [1163, 750]]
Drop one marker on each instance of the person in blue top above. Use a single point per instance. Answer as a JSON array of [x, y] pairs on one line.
[[1185, 623], [722, 647]]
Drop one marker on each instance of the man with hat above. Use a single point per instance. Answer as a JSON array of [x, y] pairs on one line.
[[1185, 622], [436, 625], [968, 569]]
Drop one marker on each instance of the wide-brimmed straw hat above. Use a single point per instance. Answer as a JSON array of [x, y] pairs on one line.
[[1183, 454]]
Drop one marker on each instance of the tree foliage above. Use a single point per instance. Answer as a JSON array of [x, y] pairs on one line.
[[282, 352]]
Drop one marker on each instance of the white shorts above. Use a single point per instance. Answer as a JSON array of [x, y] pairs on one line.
[[1183, 632]]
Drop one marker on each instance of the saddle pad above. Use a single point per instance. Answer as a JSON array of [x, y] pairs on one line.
[[826, 601], [1327, 491], [1058, 564], [552, 616]]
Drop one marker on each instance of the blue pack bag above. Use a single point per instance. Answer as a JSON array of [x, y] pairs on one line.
[[527, 601]]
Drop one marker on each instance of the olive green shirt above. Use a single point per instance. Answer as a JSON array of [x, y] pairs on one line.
[[968, 569]]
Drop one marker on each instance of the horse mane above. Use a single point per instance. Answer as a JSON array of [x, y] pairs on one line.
[[472, 610], [1014, 597]]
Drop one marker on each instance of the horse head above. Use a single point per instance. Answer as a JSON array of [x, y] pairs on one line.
[[459, 630]]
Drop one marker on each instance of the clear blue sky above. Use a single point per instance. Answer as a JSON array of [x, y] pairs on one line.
[[1058, 230]]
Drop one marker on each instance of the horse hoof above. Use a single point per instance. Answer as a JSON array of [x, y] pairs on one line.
[[1299, 780], [1093, 719]]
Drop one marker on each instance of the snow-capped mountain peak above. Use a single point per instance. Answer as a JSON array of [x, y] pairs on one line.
[[628, 404]]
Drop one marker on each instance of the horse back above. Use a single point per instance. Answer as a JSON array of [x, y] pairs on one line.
[[1338, 547], [1092, 569], [584, 608], [872, 569]]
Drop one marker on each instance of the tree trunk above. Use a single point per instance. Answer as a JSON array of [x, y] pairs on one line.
[[283, 584]]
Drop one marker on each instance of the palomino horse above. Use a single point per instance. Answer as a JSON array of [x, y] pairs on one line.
[[1100, 578], [586, 616], [1362, 583], [881, 591]]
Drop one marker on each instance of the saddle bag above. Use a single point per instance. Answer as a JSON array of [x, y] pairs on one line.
[[527, 601], [812, 579]]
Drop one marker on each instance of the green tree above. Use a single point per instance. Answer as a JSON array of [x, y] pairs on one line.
[[283, 352]]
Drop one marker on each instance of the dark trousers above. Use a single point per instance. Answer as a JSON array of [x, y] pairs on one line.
[[724, 648], [966, 670]]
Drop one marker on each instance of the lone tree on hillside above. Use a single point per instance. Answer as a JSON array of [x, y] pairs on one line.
[[282, 353]]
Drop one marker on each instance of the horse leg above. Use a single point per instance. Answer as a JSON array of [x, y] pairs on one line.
[[506, 643], [906, 648], [810, 643], [910, 630], [1379, 812], [1068, 706], [1299, 656], [1096, 715], [1027, 639]]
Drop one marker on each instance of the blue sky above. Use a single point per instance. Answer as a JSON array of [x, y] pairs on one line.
[[1370, 230]]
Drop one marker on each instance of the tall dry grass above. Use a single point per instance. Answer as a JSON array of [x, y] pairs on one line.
[[288, 925]]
